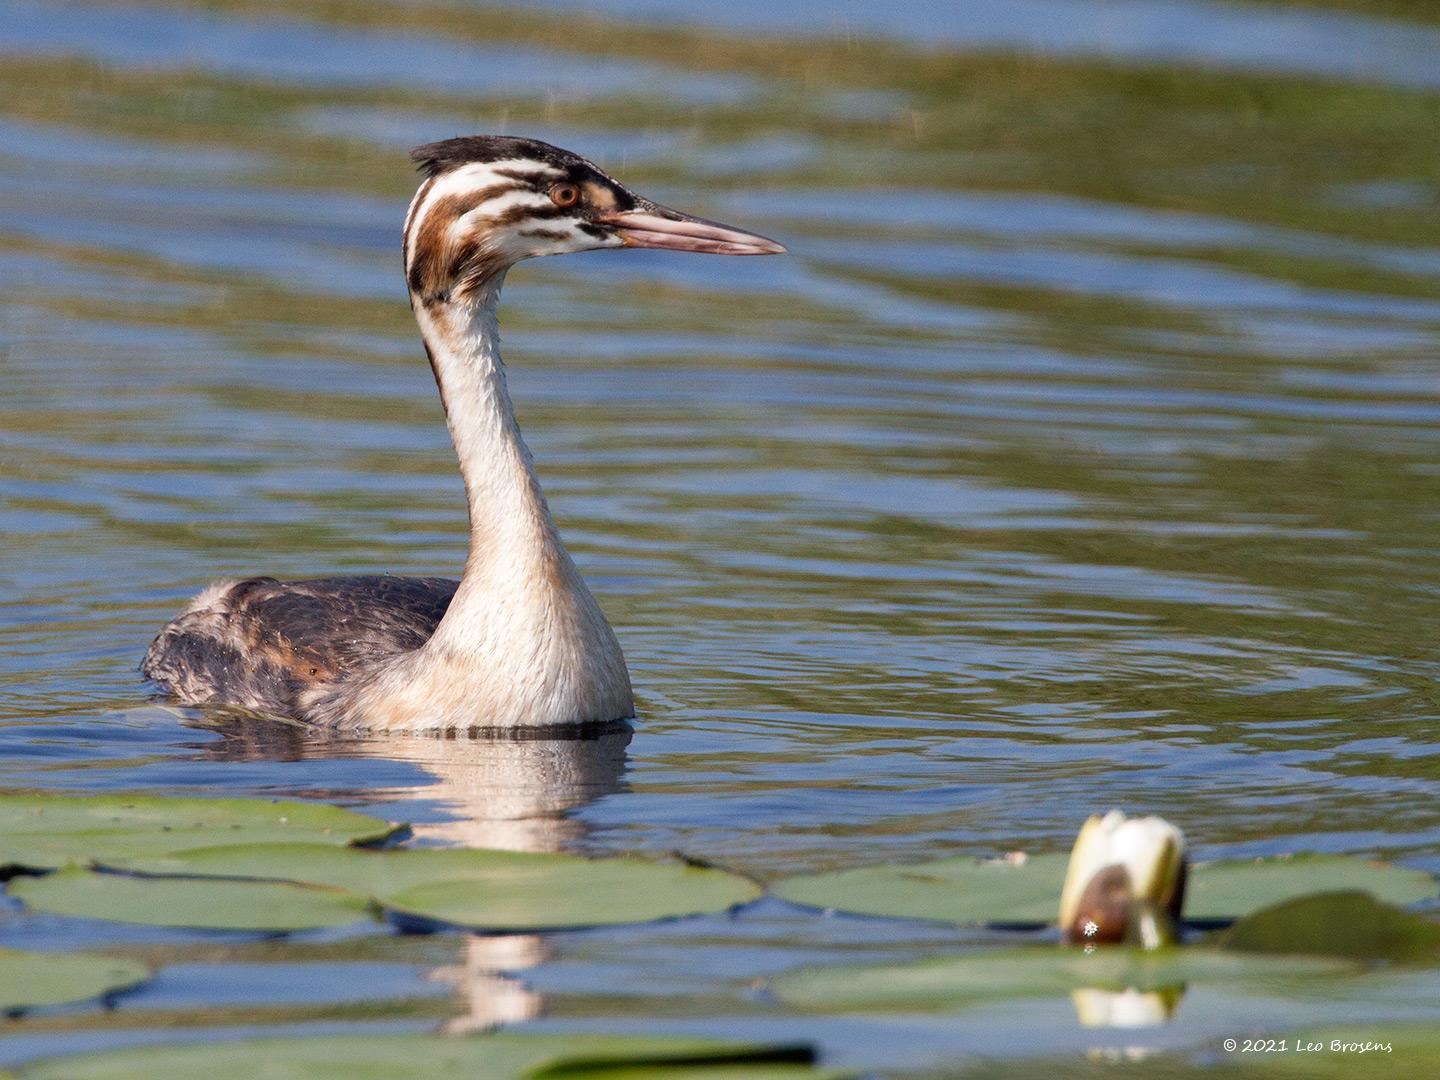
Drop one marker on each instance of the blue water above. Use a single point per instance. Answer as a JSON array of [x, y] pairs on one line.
[[1082, 454]]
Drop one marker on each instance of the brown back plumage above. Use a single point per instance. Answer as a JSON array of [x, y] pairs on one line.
[[260, 643]]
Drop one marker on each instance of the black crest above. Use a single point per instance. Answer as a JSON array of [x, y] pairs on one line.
[[439, 157]]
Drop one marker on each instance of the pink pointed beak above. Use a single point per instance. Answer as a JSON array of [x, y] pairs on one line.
[[661, 227]]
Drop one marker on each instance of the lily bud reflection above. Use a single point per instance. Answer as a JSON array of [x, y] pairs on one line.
[[1128, 1008]]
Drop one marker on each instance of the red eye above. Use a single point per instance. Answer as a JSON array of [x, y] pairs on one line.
[[565, 194]]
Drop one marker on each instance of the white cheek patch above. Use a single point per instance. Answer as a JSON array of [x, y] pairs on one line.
[[525, 165], [577, 240], [517, 245], [549, 246]]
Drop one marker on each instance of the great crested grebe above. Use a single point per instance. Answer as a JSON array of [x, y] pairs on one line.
[[518, 641]]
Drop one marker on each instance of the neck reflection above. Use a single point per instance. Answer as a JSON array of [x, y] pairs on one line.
[[515, 790]]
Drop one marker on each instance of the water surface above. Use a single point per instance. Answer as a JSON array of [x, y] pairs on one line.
[[1082, 454]]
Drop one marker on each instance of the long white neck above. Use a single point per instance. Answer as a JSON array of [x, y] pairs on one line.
[[512, 536], [529, 641]]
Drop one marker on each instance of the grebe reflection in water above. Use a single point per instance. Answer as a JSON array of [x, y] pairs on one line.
[[514, 790], [517, 790]]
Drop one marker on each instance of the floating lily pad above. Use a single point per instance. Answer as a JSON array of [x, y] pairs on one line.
[[686, 1071], [32, 979], [1413, 1054], [499, 890], [1228, 890], [961, 890], [42, 832], [203, 904], [551, 891], [372, 872], [964, 890], [495, 1057], [1396, 1052], [1346, 924], [955, 982]]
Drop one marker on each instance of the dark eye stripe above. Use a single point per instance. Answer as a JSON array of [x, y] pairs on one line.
[[517, 214], [546, 234], [494, 191]]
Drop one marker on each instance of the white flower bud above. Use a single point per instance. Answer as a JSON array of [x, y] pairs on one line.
[[1120, 868]]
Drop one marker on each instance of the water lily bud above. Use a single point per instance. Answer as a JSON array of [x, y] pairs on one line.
[[1126, 880]]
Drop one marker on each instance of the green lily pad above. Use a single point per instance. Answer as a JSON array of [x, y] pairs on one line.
[[955, 982], [960, 890], [43, 832], [32, 979], [705, 1071], [1228, 890], [496, 890], [964, 890], [202, 904], [372, 872], [382, 1057], [1346, 924], [1413, 1054], [553, 891]]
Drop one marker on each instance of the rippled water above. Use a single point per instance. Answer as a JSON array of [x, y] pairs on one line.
[[1085, 451]]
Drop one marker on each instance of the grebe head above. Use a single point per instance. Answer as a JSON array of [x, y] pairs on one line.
[[489, 201]]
